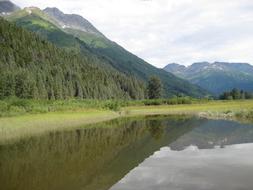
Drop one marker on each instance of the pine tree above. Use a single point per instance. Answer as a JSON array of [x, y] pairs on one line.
[[154, 88]]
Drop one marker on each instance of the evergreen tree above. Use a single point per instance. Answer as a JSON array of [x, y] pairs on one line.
[[236, 94], [154, 88]]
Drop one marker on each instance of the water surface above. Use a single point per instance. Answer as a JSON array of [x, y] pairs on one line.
[[156, 152]]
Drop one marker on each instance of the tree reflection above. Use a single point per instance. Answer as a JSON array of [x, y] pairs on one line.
[[156, 128]]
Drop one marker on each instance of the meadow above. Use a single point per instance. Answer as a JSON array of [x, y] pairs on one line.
[[22, 117]]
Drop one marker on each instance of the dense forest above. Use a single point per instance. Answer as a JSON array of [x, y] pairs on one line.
[[236, 94], [31, 67]]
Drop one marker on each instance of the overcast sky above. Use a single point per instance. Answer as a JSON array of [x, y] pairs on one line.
[[166, 31]]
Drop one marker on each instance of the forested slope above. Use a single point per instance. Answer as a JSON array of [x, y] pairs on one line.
[[65, 36], [31, 67]]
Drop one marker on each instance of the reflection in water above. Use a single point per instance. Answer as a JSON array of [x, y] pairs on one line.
[[156, 129], [230, 168], [97, 157], [92, 159], [215, 133]]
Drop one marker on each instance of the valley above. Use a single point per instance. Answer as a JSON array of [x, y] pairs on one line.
[[81, 111]]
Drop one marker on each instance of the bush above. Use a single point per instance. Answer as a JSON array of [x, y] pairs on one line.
[[3, 106], [112, 105], [153, 102], [172, 101]]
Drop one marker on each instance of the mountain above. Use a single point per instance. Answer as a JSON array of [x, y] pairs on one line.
[[32, 67], [7, 7], [72, 21], [175, 68], [216, 77], [75, 33]]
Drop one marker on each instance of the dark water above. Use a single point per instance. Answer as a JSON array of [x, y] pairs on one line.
[[148, 153]]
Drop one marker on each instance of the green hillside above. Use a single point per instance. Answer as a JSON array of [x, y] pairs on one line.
[[219, 81], [31, 67], [107, 51]]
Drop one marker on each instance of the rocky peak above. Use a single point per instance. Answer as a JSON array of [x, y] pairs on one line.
[[71, 21], [175, 68], [30, 10], [7, 7]]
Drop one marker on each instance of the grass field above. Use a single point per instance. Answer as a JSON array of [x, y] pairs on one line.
[[32, 124], [209, 109]]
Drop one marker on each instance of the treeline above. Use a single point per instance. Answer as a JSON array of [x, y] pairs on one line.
[[33, 68], [236, 94]]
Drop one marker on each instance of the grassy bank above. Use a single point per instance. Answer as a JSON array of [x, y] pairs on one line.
[[212, 109], [20, 126], [32, 124], [15, 107]]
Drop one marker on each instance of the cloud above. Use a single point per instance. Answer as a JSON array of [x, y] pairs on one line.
[[164, 31]]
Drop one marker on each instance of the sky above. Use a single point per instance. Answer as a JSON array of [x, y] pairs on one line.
[[169, 31]]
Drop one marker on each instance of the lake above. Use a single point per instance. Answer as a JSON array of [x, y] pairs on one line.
[[141, 153]]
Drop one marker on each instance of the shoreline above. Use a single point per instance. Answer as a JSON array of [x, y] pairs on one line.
[[35, 124]]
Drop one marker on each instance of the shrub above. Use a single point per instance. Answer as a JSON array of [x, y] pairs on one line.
[[112, 105]]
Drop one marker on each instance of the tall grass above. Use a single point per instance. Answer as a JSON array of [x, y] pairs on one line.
[[248, 115], [14, 106]]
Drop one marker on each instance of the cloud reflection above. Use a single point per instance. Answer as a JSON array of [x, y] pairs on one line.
[[228, 168]]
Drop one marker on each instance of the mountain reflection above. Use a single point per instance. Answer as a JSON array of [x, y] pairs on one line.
[[98, 156]]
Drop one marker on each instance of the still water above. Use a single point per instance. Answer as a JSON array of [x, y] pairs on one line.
[[147, 153]]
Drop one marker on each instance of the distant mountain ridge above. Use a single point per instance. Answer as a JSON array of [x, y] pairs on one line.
[[7, 7], [74, 33], [216, 77]]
